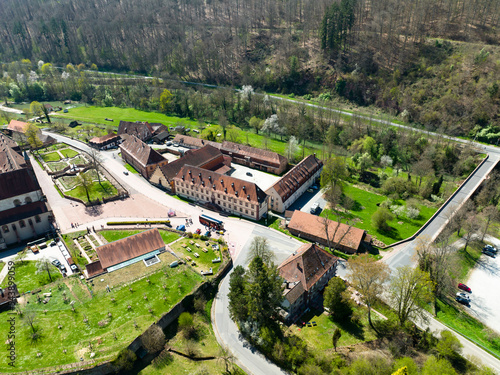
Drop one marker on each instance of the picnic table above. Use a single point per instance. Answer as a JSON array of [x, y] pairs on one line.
[[196, 255], [189, 259]]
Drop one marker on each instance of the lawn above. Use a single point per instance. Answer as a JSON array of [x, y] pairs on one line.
[[96, 191], [204, 261], [69, 153], [320, 336], [131, 169], [113, 235], [53, 147], [51, 156], [457, 318], [57, 166], [98, 114], [365, 205], [98, 324], [467, 260], [28, 279]]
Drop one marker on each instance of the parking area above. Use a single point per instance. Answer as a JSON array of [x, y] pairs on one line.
[[262, 179], [305, 202], [485, 297]]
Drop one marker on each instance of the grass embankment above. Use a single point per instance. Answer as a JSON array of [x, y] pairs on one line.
[[131, 169], [365, 203], [114, 235], [98, 325], [27, 278]]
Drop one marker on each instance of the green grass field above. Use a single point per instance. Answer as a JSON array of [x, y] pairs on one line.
[[467, 260], [28, 279], [57, 166], [96, 191], [68, 153], [320, 337], [204, 261], [457, 318], [131, 169], [365, 205], [114, 235], [51, 156], [109, 326]]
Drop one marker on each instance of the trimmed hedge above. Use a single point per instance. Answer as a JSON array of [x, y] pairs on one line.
[[166, 222]]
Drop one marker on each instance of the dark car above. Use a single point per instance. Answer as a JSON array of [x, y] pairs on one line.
[[74, 268], [489, 253], [62, 268], [464, 288], [462, 300], [491, 249], [207, 234], [56, 263], [249, 174]]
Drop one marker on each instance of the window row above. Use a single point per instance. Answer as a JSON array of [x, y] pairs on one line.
[[22, 224]]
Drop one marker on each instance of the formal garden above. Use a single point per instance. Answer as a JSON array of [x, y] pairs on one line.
[[94, 320]]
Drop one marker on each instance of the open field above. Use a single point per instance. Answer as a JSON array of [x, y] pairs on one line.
[[98, 324], [114, 235], [28, 279]]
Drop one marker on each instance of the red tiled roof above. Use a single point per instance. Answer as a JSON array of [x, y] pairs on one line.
[[17, 182], [17, 126], [306, 266], [22, 212], [144, 154], [104, 138], [194, 142], [220, 183], [129, 248], [293, 292], [197, 158], [6, 142], [94, 269], [348, 236], [267, 156], [296, 177], [10, 160]]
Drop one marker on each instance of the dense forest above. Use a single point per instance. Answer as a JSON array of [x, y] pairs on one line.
[[431, 62]]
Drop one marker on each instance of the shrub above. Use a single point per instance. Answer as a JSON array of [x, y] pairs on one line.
[[380, 219], [153, 339], [163, 359], [125, 360]]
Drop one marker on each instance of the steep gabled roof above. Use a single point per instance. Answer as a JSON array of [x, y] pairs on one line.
[[267, 156], [104, 138], [6, 142], [17, 182], [141, 130], [296, 177], [144, 154], [219, 183], [17, 126], [306, 266], [194, 142], [129, 248], [10, 160], [347, 235], [197, 158]]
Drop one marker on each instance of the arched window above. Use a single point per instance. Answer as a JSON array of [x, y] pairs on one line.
[[37, 219], [27, 200], [17, 202], [5, 228], [22, 224]]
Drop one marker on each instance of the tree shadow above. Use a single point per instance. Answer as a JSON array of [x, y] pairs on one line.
[[94, 211], [347, 325], [390, 232]]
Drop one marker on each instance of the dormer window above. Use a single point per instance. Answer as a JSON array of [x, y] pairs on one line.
[[244, 187], [222, 182], [248, 196], [199, 175], [192, 180], [213, 186], [236, 193], [225, 190], [203, 183], [210, 178], [189, 171], [232, 184]]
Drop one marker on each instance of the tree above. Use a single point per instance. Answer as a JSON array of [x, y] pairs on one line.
[[337, 299], [380, 219], [165, 99], [85, 181], [264, 291], [96, 163], [237, 295], [255, 123], [272, 124], [471, 227], [489, 214], [125, 360], [153, 339], [44, 265], [292, 148], [334, 173], [364, 162], [36, 108], [29, 319], [410, 291], [336, 337], [260, 248], [448, 346], [435, 366], [186, 325], [32, 137], [368, 278]]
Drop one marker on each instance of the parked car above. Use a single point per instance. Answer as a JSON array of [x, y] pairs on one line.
[[198, 231], [62, 268], [463, 295], [462, 300], [249, 174], [315, 208], [207, 234], [464, 287], [315, 187], [125, 173], [74, 268], [56, 263], [169, 143], [176, 145], [490, 248], [181, 227], [489, 253], [310, 190]]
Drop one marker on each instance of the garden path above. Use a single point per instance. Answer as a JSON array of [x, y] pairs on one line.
[[83, 252]]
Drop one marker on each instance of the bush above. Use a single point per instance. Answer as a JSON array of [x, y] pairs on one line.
[[380, 219], [153, 339], [163, 359], [125, 360], [186, 325]]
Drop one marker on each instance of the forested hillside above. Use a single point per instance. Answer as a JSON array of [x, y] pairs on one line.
[[369, 52]]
